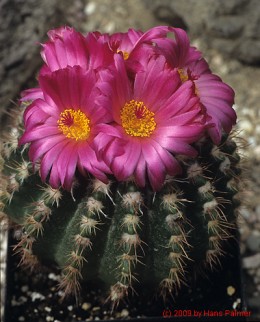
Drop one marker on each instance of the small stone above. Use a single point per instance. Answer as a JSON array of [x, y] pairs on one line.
[[110, 27], [70, 307], [231, 290], [24, 288], [54, 277], [251, 261], [86, 306], [253, 242], [90, 8], [124, 313], [47, 309], [246, 125], [49, 318], [95, 309], [236, 303], [21, 318], [37, 296]]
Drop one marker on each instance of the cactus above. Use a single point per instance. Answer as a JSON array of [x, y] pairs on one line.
[[117, 231]]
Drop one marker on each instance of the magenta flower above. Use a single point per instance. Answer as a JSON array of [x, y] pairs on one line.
[[154, 118], [61, 125], [216, 96], [137, 47], [68, 47]]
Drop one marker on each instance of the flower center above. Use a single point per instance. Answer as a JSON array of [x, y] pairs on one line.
[[183, 75], [186, 75], [137, 119], [124, 53], [74, 124]]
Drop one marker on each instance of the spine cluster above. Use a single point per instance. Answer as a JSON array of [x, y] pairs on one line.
[[119, 234]]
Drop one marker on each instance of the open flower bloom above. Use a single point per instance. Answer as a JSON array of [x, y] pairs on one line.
[[137, 47], [65, 47], [216, 96], [68, 47], [154, 118], [61, 126]]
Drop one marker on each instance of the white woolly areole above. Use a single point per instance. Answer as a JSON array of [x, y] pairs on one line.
[[216, 153], [194, 170], [118, 291], [206, 188], [88, 224], [13, 183], [23, 171], [225, 165], [170, 199], [83, 241], [101, 186], [232, 184], [52, 195], [132, 199], [209, 206], [131, 239], [131, 220], [94, 205], [40, 207], [171, 219]]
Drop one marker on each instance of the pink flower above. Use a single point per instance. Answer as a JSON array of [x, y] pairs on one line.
[[68, 47], [154, 118], [216, 96], [137, 47], [65, 47], [61, 125]]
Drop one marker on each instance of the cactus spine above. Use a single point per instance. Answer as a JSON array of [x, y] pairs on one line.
[[118, 233]]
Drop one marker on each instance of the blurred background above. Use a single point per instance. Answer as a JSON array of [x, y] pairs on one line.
[[226, 31]]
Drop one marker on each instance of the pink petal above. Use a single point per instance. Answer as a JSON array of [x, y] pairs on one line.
[[39, 147], [37, 133], [49, 158], [140, 172], [31, 94], [155, 168], [124, 165], [171, 165]]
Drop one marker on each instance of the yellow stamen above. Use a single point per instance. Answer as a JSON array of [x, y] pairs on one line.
[[183, 75], [74, 124], [125, 54], [137, 119]]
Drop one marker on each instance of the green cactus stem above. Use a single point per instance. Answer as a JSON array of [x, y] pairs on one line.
[[117, 233]]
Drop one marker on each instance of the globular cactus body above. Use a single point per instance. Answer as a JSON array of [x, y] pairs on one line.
[[120, 234], [126, 169]]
